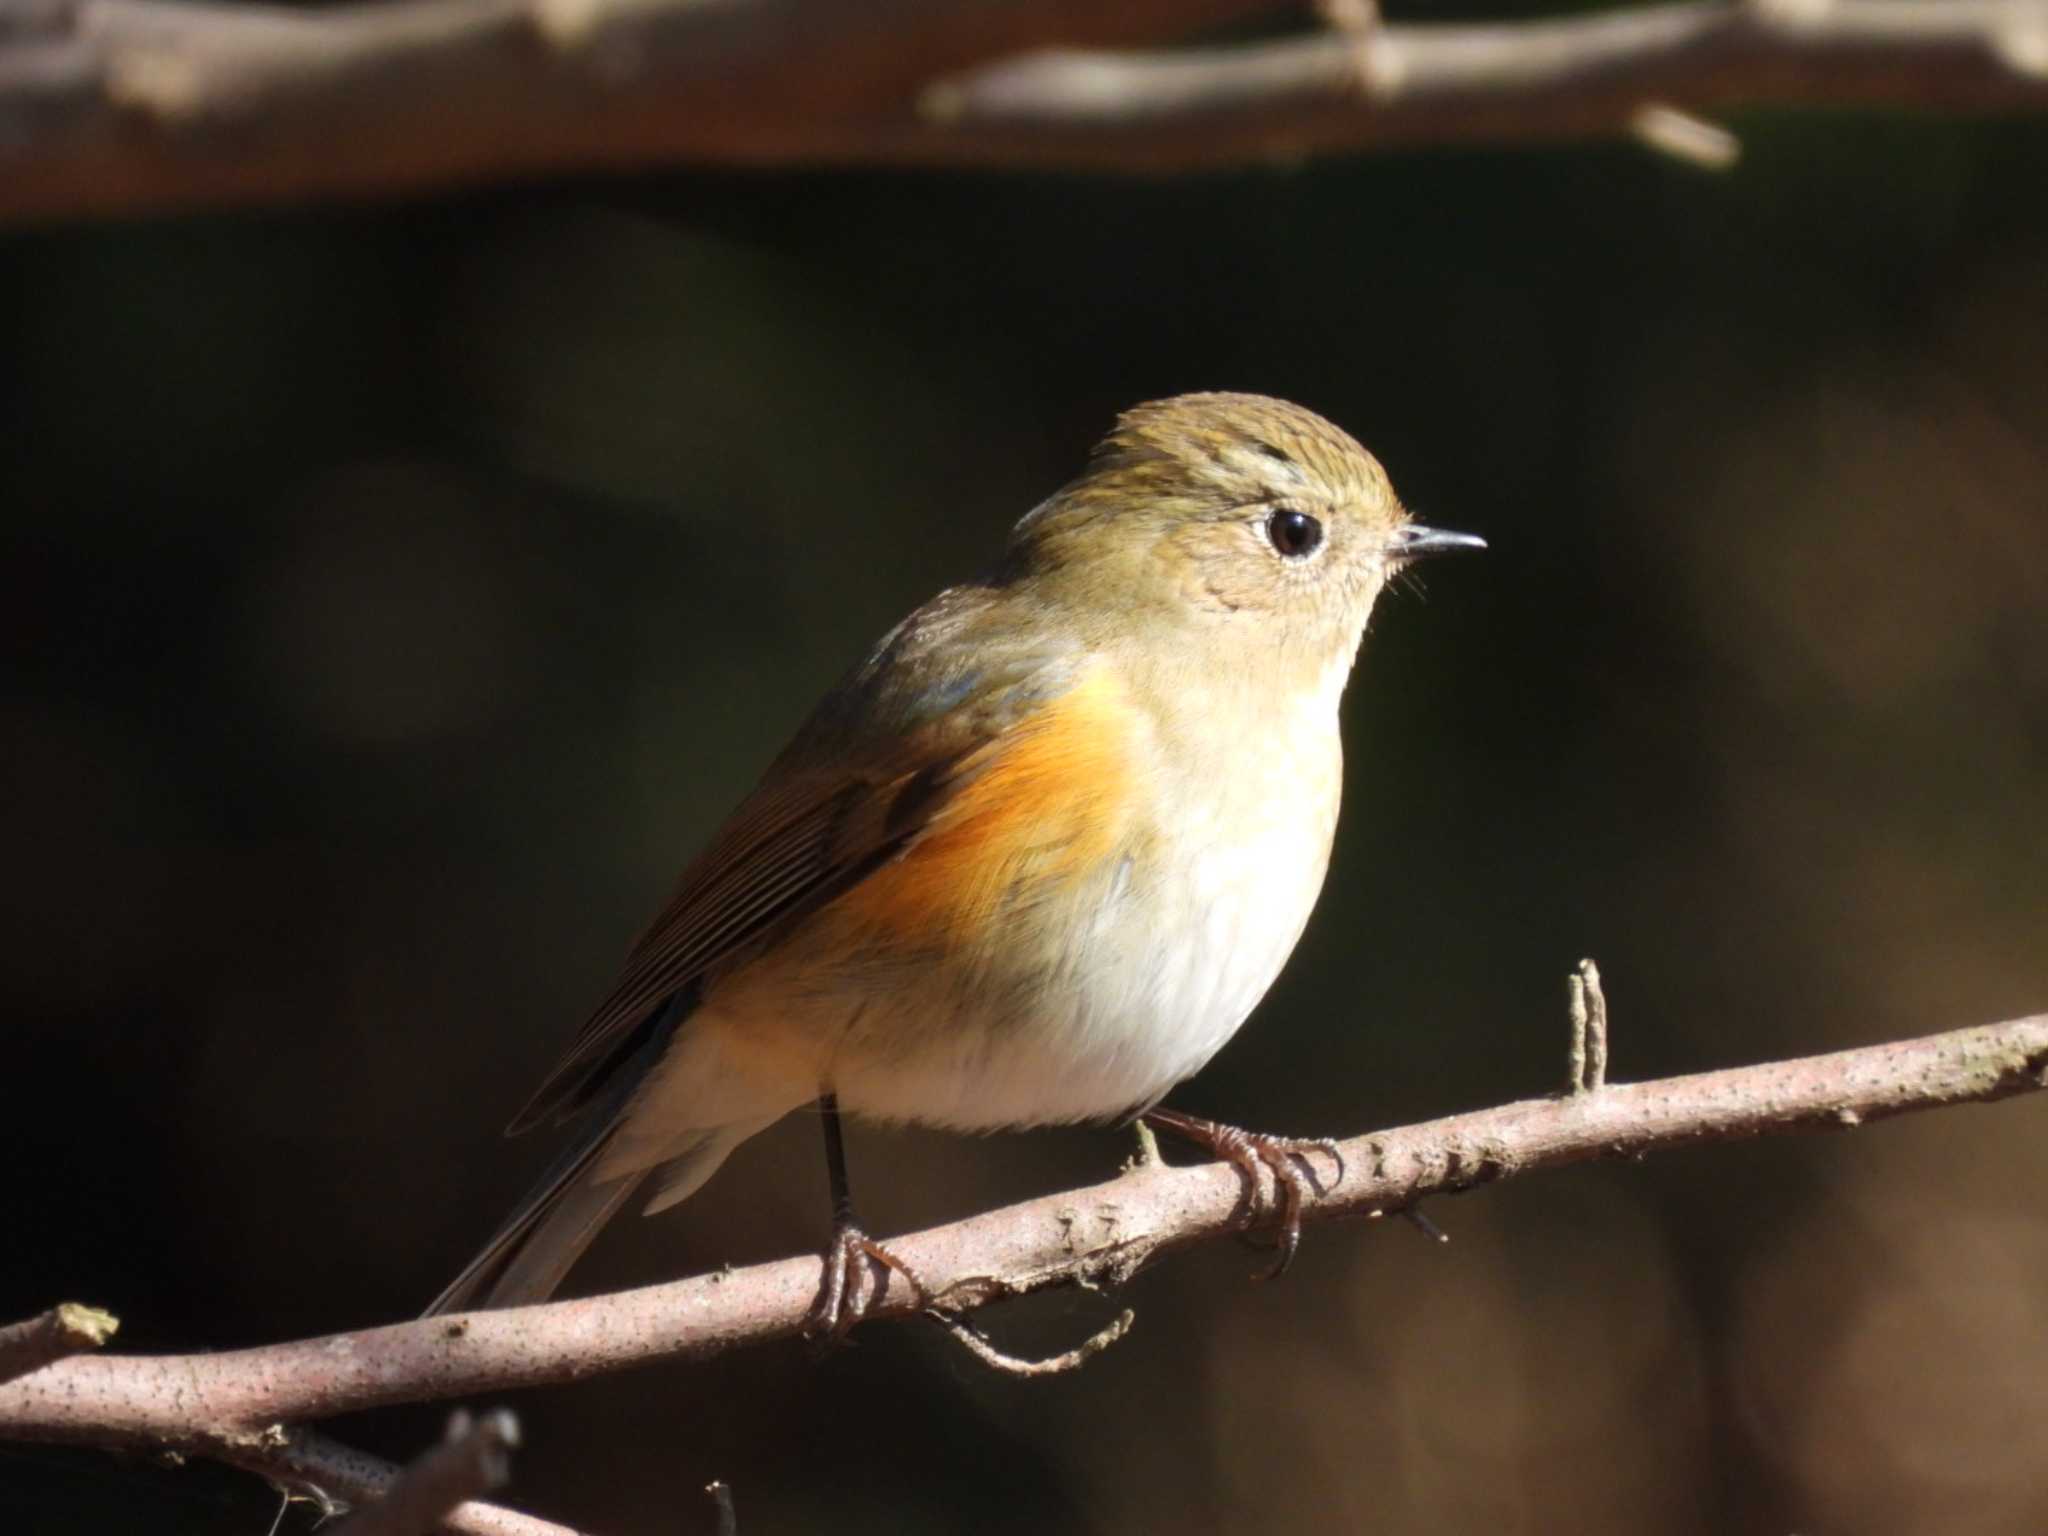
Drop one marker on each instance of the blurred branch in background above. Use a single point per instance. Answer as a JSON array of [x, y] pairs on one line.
[[437, 1492], [234, 1406], [473, 1458], [111, 106], [721, 1500], [304, 1464]]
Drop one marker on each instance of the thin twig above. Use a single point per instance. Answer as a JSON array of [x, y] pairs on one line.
[[1596, 1027], [474, 1458], [68, 1328], [721, 1496], [983, 1349], [224, 1404], [122, 105], [1588, 1005]]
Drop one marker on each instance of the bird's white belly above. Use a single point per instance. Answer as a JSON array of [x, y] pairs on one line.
[[1147, 980]]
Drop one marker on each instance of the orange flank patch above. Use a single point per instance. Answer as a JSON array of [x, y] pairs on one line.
[[1049, 808]]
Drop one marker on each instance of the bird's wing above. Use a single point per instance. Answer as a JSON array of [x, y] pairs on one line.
[[866, 778]]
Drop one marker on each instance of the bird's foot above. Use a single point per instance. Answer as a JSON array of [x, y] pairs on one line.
[[856, 1278], [1286, 1158]]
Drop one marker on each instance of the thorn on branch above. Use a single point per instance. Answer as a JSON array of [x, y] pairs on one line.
[[474, 1459], [68, 1328], [1147, 1154], [1589, 1030], [728, 1517], [977, 1344], [1416, 1218]]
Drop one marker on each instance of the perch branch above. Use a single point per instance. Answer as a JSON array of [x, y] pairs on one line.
[[123, 105], [233, 1405]]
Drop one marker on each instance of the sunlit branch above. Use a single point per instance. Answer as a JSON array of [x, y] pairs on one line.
[[232, 1405]]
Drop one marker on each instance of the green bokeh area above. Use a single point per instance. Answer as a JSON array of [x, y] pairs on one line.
[[397, 596]]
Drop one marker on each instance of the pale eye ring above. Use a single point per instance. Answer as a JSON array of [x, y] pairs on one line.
[[1293, 534]]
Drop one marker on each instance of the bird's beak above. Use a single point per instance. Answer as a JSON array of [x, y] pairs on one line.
[[1412, 541]]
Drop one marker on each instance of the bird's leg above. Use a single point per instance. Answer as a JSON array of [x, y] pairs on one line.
[[1285, 1157], [850, 1286]]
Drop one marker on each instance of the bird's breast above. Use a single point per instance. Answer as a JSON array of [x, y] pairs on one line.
[[1099, 917]]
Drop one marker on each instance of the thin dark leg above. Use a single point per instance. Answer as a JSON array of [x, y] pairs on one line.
[[835, 1160], [850, 1285]]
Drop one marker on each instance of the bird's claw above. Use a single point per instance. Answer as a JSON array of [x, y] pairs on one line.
[[855, 1278], [1286, 1158]]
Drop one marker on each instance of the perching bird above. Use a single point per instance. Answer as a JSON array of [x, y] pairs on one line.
[[1032, 862]]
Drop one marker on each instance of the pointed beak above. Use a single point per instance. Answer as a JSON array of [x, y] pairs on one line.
[[1412, 541]]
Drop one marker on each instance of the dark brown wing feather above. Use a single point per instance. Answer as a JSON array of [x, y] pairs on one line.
[[863, 778]]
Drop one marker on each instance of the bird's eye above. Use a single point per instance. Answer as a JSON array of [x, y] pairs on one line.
[[1294, 534]]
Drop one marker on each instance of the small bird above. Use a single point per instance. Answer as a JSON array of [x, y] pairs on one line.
[[1032, 862]]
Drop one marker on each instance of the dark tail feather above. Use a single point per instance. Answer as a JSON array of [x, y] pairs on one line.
[[530, 1254], [551, 1227]]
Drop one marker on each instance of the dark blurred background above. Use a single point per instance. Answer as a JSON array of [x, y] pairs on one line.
[[397, 596]]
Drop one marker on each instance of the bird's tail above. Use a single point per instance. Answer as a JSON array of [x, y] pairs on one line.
[[528, 1256], [561, 1214], [531, 1253]]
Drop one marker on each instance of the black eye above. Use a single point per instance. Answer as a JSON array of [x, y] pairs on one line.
[[1294, 534]]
